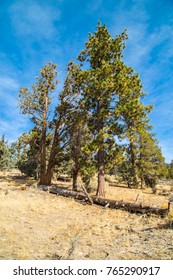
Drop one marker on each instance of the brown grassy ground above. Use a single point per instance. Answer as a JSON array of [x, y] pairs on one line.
[[38, 225]]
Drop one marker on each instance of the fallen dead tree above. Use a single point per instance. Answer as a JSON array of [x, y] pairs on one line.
[[113, 204]]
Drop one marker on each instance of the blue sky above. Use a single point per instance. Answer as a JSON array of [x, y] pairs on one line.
[[34, 32]]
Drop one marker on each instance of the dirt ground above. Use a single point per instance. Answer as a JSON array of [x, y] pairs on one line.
[[37, 225]]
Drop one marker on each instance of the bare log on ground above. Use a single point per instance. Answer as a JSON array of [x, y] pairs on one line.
[[113, 204]]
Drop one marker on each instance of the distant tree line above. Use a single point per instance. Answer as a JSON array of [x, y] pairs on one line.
[[8, 159], [100, 124]]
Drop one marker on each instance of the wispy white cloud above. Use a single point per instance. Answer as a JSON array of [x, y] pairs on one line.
[[167, 148], [35, 27], [93, 5], [13, 128], [34, 19], [149, 51], [8, 93], [12, 123], [8, 83]]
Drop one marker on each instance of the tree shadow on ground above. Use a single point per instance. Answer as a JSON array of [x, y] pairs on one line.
[[17, 180], [167, 225]]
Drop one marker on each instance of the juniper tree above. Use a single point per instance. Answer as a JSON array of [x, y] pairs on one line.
[[37, 105]]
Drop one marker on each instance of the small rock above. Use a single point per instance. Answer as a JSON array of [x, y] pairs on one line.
[[119, 227]]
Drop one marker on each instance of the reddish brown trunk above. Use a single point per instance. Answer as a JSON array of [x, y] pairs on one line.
[[142, 182], [101, 167], [43, 147], [101, 173], [48, 177], [76, 155], [133, 161], [52, 157], [43, 156], [75, 177]]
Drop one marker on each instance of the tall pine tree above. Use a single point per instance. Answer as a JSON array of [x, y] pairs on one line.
[[100, 61]]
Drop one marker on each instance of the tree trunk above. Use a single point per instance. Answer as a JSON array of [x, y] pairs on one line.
[[43, 146], [134, 165], [101, 179], [76, 154], [53, 153], [142, 182], [48, 177], [43, 157], [101, 167], [75, 177]]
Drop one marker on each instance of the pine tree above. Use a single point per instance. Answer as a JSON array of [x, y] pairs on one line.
[[36, 104], [98, 79], [75, 122], [151, 163], [169, 167], [7, 160], [132, 114], [28, 152]]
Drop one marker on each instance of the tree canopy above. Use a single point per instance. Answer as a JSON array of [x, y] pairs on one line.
[[100, 123]]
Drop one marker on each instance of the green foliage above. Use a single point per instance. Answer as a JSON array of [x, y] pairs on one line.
[[169, 168], [101, 102], [98, 80], [126, 171], [27, 148], [36, 103], [7, 155], [75, 122], [150, 164], [133, 116], [150, 159]]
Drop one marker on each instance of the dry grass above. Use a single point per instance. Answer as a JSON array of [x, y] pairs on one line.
[[39, 225]]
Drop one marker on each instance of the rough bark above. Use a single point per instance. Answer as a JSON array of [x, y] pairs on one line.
[[134, 164], [76, 154], [101, 179], [101, 171], [49, 175], [113, 204], [43, 146], [142, 182], [46, 176], [53, 154], [75, 177]]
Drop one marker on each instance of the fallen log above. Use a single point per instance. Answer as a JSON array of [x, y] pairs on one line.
[[131, 207], [64, 192], [113, 204]]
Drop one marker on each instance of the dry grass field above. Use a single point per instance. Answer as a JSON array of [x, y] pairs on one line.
[[39, 225]]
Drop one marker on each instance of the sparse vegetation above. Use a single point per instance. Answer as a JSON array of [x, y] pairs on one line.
[[39, 225]]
